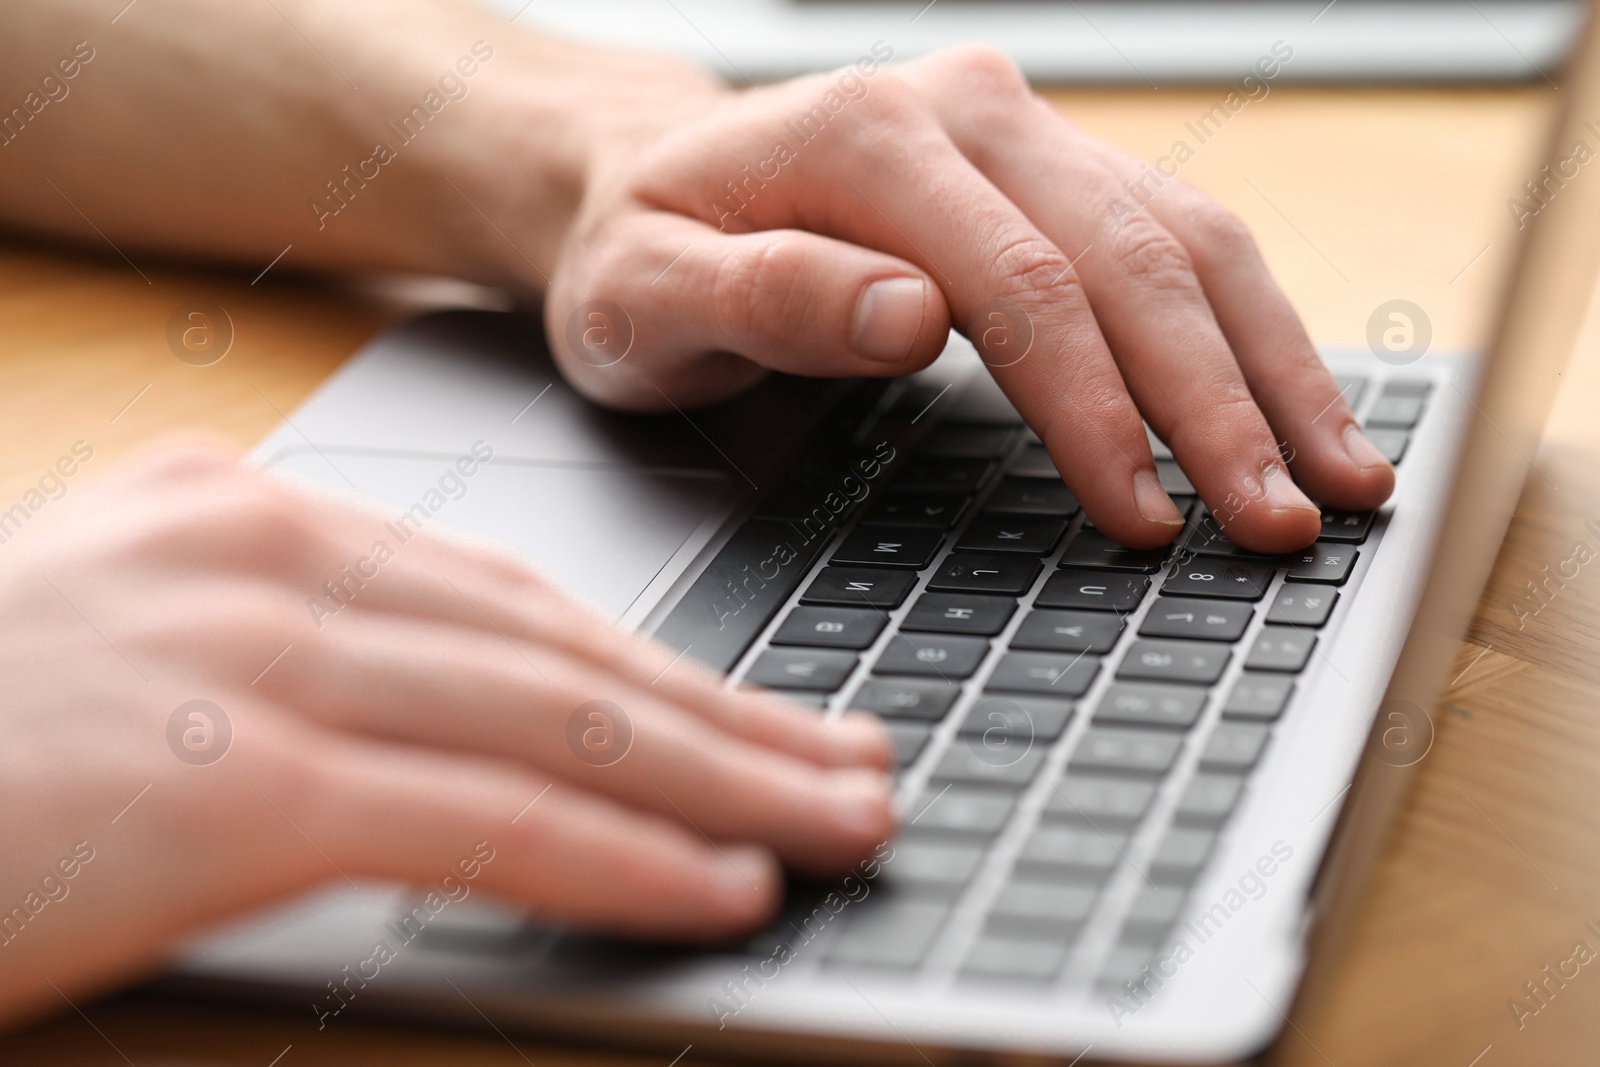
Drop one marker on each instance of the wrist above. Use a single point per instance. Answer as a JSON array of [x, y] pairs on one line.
[[558, 125]]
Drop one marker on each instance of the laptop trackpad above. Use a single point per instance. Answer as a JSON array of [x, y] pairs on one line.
[[603, 531]]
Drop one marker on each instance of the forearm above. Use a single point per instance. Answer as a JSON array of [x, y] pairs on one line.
[[417, 135]]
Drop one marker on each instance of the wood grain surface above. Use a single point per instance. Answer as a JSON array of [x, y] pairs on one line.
[[1356, 197]]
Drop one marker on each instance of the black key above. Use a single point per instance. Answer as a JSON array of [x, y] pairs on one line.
[[1351, 527], [966, 440], [926, 864], [1211, 576], [908, 739], [1205, 620], [1279, 648], [1044, 673], [976, 765], [860, 587], [1180, 855], [1209, 799], [1095, 590], [1152, 913], [943, 475], [1302, 605], [1209, 540], [1047, 630], [1420, 387], [818, 670], [1392, 443], [903, 698], [973, 572], [1091, 548], [1234, 747], [890, 546], [1136, 704], [819, 499], [932, 655], [1082, 851], [1194, 662], [1173, 480], [819, 627], [960, 613], [1396, 412], [1033, 462], [1352, 387], [1027, 718], [740, 591], [1158, 447], [1100, 801], [1032, 496], [1322, 562], [890, 931], [1025, 902], [961, 809], [1007, 533], [1184, 502], [939, 510], [1258, 696], [1022, 957], [1142, 752], [814, 701]]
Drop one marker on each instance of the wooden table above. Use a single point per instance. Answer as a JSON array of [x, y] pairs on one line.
[[1356, 197]]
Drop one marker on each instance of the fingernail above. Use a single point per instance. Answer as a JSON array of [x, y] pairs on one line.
[[1363, 453], [749, 869], [888, 316], [1279, 492], [860, 802], [1153, 502]]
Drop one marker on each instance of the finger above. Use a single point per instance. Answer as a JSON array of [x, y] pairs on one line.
[[450, 688], [916, 197], [784, 300], [337, 555], [1331, 456], [1150, 305], [394, 812], [434, 578]]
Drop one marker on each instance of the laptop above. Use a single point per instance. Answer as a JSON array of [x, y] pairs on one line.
[[1141, 790], [1155, 43]]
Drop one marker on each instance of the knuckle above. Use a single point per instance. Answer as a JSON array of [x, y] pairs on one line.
[[1220, 233], [1147, 252], [1030, 266], [988, 70], [760, 294]]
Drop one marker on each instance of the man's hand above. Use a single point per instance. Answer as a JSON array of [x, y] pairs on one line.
[[375, 727], [839, 224]]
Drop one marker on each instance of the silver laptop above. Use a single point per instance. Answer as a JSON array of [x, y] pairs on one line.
[[1156, 43], [1130, 828]]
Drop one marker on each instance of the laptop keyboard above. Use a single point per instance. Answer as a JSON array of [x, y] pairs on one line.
[[1073, 721]]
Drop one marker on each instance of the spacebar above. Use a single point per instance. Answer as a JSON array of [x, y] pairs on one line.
[[737, 595]]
